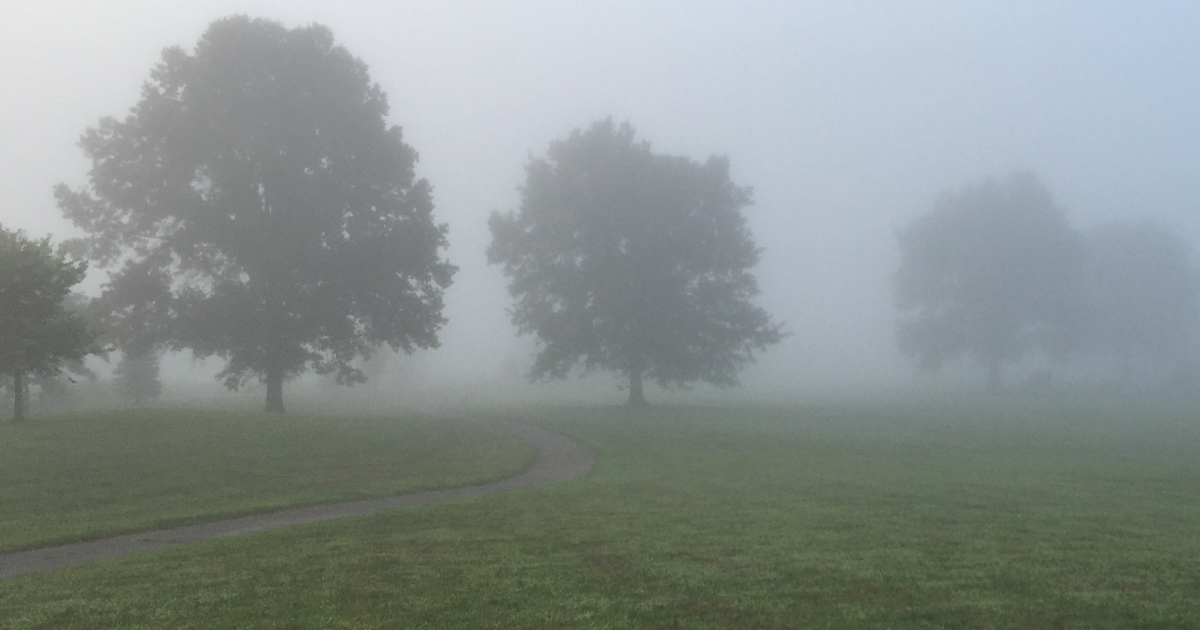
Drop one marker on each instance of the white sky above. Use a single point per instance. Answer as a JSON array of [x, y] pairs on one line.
[[847, 118]]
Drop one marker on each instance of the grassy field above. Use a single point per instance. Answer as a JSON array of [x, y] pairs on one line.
[[944, 516], [72, 478]]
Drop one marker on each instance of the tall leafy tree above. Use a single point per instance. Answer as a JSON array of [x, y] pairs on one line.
[[1143, 295], [259, 182], [631, 261], [38, 332], [990, 274]]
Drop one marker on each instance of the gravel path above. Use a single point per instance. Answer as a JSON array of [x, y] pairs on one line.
[[558, 459]]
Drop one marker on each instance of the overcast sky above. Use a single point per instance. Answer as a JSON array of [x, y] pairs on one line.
[[846, 118]]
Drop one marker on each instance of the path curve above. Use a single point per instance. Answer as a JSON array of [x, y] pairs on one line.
[[558, 459]]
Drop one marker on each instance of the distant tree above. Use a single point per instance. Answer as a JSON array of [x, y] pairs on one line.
[[991, 273], [631, 261], [137, 311], [1143, 295], [38, 332], [259, 183], [136, 377]]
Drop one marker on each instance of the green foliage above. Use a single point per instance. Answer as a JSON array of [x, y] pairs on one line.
[[70, 478], [991, 273], [39, 333], [631, 261], [261, 209], [933, 517]]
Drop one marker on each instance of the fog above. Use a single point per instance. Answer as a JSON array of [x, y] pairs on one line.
[[848, 120]]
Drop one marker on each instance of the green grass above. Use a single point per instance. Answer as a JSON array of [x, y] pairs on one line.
[[65, 479], [950, 516]]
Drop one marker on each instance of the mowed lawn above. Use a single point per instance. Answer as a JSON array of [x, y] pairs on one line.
[[64, 479], [971, 515]]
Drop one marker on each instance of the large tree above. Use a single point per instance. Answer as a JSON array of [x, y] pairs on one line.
[[631, 261], [990, 274], [259, 182], [1143, 295], [38, 332]]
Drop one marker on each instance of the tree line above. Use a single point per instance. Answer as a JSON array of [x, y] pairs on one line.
[[995, 274], [255, 205]]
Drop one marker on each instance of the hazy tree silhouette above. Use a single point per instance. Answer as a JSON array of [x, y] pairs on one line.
[[38, 332], [631, 261], [259, 182], [991, 273], [136, 377], [1143, 295], [136, 311]]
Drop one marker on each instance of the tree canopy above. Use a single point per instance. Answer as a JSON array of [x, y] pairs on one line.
[[38, 332], [990, 274], [631, 261], [259, 187]]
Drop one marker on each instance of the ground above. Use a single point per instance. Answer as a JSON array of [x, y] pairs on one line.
[[81, 477], [1047, 514]]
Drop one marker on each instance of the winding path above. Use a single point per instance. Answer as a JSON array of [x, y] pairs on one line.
[[558, 459]]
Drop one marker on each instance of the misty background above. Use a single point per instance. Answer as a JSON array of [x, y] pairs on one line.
[[847, 120]]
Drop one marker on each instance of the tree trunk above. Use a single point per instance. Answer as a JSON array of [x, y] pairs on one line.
[[636, 398], [993, 386], [18, 396], [274, 391]]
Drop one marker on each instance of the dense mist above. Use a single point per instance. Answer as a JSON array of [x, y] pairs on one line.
[[849, 122]]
